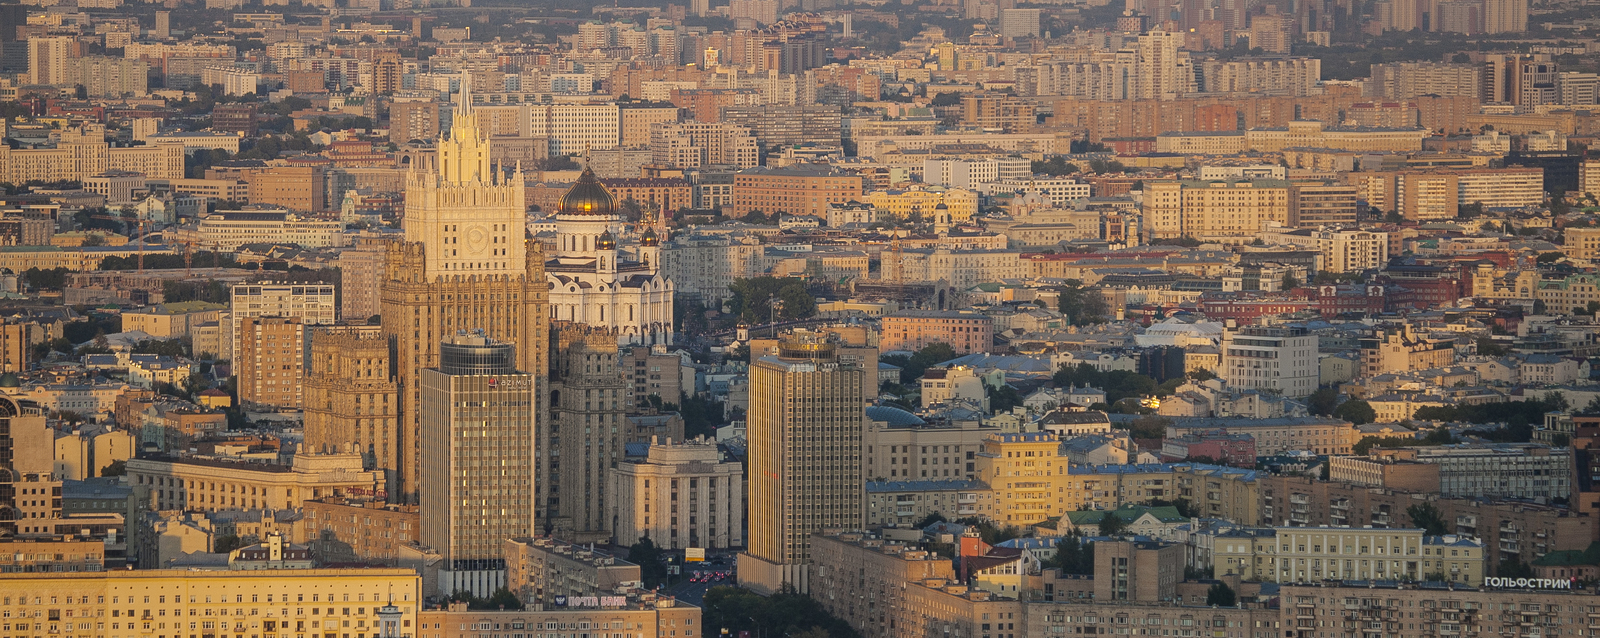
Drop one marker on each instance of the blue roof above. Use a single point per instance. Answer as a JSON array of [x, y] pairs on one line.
[[893, 416]]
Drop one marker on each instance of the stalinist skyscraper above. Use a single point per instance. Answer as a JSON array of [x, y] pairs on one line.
[[466, 264]]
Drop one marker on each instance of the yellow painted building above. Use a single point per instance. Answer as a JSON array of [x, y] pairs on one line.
[[962, 204], [1028, 483], [1223, 211], [290, 603]]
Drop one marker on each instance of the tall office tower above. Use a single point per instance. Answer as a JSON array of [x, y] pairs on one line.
[[1523, 80], [588, 400], [351, 399], [163, 28], [700, 7], [465, 264], [480, 417], [805, 422], [1505, 16], [48, 60]]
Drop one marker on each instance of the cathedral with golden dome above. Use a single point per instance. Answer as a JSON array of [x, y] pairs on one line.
[[594, 282]]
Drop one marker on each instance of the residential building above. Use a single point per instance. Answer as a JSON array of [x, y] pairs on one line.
[[413, 120], [1227, 212], [271, 355], [345, 530], [900, 446], [1137, 570], [698, 144], [680, 495], [964, 330], [1319, 204], [1511, 530], [796, 190], [884, 588], [1346, 251], [1314, 554], [1278, 435], [1384, 470], [211, 485], [906, 503], [228, 230], [311, 304], [1403, 350], [1282, 360], [804, 466], [644, 615], [540, 570]]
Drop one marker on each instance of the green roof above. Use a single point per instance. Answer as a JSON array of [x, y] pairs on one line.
[[184, 307], [1571, 557], [1165, 514]]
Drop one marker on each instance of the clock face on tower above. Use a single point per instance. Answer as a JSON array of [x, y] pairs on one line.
[[477, 239]]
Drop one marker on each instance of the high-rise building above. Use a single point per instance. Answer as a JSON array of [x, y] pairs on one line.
[[479, 431], [350, 398], [806, 417], [1161, 71], [163, 28], [589, 399], [1272, 33], [413, 120], [465, 264], [311, 303], [1019, 23], [48, 60], [270, 356], [1505, 16]]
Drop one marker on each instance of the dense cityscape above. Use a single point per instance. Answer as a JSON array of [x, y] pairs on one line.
[[800, 318]]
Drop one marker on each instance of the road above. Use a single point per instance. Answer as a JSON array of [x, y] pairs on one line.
[[695, 593]]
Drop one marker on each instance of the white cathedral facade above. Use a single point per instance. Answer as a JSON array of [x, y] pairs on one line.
[[593, 282]]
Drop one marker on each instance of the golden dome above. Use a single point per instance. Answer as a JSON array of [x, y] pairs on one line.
[[649, 238], [588, 197], [606, 241]]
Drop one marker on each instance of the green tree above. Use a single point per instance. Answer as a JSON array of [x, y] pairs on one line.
[[1112, 525], [752, 299], [912, 367], [1356, 412], [1323, 401], [1221, 595], [1073, 555], [1488, 348], [1513, 568], [1427, 517], [116, 468], [1056, 166], [1550, 257], [930, 519], [226, 543], [1003, 398], [502, 599], [1290, 282], [1082, 306], [647, 556]]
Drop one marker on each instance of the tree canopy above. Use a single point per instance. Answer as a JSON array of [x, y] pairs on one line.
[[1082, 306], [752, 299]]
